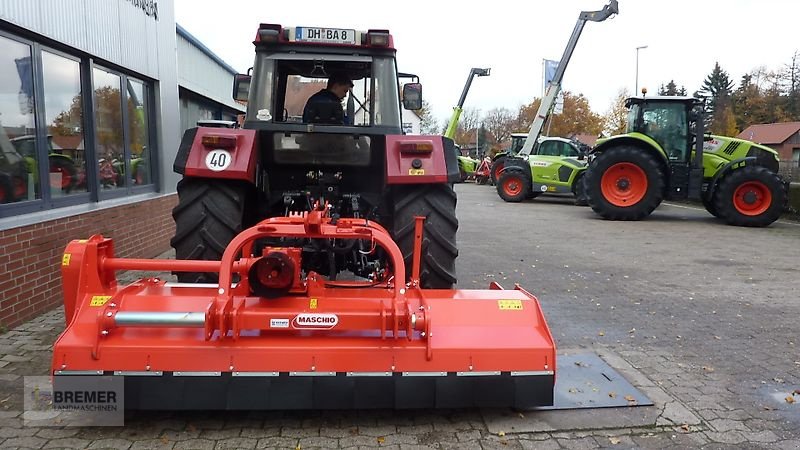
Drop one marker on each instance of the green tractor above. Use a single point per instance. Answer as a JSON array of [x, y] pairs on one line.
[[555, 166], [665, 154], [466, 165]]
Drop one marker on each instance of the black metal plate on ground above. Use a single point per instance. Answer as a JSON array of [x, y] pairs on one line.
[[586, 381]]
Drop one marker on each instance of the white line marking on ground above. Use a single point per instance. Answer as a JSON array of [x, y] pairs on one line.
[[703, 209]]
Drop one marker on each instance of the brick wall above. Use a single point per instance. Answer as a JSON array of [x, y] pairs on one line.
[[30, 256]]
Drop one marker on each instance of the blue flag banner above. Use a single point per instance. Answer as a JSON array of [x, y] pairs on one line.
[[550, 68]]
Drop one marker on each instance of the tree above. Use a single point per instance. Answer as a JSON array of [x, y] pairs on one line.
[[671, 89], [428, 123], [467, 124], [499, 123], [718, 88], [615, 120], [790, 79], [577, 117]]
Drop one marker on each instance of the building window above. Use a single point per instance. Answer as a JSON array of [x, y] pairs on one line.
[[70, 131], [110, 143], [63, 110], [18, 158], [138, 124]]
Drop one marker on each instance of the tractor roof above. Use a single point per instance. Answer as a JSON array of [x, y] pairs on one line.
[[691, 101], [274, 34]]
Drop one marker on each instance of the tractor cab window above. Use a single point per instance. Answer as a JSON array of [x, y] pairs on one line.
[[285, 82], [516, 144], [557, 148], [666, 123]]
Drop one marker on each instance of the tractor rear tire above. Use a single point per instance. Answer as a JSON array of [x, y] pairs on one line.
[[752, 196], [209, 214], [579, 189], [437, 203], [624, 183], [514, 186]]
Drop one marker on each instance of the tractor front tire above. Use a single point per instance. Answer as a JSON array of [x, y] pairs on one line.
[[497, 169], [209, 214], [751, 197], [624, 183], [437, 203], [514, 186]]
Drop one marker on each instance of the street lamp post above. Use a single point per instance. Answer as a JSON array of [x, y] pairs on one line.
[[636, 89]]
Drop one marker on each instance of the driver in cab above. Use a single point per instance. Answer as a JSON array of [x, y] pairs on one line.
[[325, 107]]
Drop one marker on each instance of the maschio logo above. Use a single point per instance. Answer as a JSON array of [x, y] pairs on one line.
[[315, 321]]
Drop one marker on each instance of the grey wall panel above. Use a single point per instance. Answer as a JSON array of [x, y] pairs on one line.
[[167, 109], [201, 74], [134, 45], [64, 21], [25, 13], [151, 35], [102, 30]]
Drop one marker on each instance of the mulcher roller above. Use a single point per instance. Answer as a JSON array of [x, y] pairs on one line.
[[269, 336]]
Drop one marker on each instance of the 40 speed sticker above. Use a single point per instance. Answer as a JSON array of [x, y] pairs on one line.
[[315, 321], [218, 160]]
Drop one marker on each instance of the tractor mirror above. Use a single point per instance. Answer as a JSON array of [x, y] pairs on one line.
[[412, 96], [241, 87]]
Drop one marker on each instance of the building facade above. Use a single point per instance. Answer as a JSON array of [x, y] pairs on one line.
[[90, 121]]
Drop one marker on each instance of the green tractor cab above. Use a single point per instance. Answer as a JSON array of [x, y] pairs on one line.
[[466, 165], [665, 154], [556, 166]]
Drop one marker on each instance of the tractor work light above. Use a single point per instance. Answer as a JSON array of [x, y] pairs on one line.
[[269, 33], [216, 141], [378, 38]]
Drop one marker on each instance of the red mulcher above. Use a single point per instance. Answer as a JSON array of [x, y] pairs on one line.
[[294, 242]]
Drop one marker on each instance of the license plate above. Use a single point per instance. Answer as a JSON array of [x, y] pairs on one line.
[[325, 35]]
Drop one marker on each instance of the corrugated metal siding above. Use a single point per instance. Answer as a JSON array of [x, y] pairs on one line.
[[201, 74], [24, 13], [134, 46], [65, 26], [102, 30], [108, 29]]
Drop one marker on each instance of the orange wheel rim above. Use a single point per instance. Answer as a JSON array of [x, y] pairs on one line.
[[512, 186], [624, 184], [498, 167], [752, 198]]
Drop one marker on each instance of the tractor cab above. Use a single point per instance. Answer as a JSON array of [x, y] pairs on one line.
[[667, 120]]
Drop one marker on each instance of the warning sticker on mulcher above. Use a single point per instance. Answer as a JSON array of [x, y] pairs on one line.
[[279, 323], [99, 300], [315, 321], [509, 304]]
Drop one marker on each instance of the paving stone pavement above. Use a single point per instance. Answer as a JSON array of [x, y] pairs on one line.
[[703, 315]]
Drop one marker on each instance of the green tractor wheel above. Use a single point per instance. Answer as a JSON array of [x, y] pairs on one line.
[[514, 186], [624, 183], [751, 197]]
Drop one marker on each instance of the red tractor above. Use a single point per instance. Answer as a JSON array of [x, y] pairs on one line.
[[277, 165]]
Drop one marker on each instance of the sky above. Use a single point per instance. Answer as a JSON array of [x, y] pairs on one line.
[[441, 40]]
